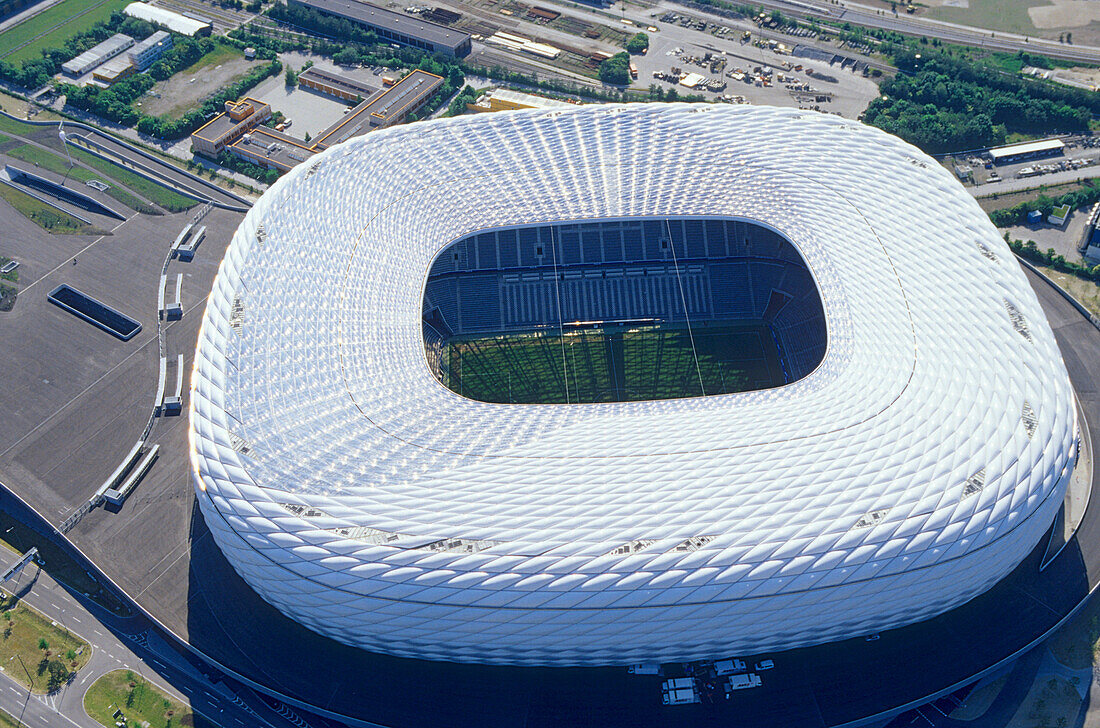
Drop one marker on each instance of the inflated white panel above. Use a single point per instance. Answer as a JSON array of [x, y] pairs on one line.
[[916, 466]]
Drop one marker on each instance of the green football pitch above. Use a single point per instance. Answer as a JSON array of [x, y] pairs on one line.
[[613, 364]]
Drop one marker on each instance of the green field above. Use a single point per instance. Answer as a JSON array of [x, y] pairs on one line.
[[139, 701], [43, 215], [59, 165], [1006, 15], [53, 26], [613, 364], [166, 198], [30, 641]]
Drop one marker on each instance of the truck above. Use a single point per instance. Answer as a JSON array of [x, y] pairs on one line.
[[729, 667], [744, 681], [679, 691]]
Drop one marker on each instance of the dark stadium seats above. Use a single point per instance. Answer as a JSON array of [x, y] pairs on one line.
[[628, 273]]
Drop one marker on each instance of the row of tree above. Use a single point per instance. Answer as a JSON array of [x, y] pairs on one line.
[[942, 104], [37, 72], [117, 101], [1089, 194]]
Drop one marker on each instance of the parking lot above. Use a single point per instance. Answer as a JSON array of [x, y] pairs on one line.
[[743, 73]]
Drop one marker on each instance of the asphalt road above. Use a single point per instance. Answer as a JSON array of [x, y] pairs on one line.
[[117, 643]]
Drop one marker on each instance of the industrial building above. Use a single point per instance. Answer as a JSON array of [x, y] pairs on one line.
[[97, 55], [1027, 150], [335, 85], [877, 485], [386, 107], [393, 26], [239, 118], [148, 51], [505, 99], [174, 22], [113, 70]]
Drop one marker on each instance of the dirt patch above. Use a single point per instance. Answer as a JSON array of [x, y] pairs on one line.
[[189, 88], [1065, 14]]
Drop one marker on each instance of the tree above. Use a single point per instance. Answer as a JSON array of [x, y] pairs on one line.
[[291, 77], [43, 644], [637, 44], [347, 57], [58, 674], [616, 69]]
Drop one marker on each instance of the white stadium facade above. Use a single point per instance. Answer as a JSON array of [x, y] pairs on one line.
[[916, 448]]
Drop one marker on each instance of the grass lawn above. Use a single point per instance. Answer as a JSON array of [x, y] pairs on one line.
[[166, 198], [4, 138], [59, 165], [1011, 199], [141, 702], [1007, 15], [1051, 701], [1086, 292], [53, 26], [6, 721], [19, 538], [220, 54], [30, 640], [614, 364], [13, 276], [7, 297], [43, 215]]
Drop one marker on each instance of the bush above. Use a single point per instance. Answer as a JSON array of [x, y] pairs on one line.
[[616, 70], [1017, 214], [638, 43]]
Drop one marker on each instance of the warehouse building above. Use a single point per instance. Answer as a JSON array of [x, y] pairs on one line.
[[335, 85], [505, 99], [113, 70], [97, 55], [1027, 150], [166, 18], [395, 27]]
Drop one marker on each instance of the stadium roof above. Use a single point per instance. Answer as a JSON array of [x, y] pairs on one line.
[[917, 465]]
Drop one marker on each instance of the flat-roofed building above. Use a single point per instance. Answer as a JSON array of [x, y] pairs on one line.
[[505, 99], [272, 149], [1027, 150], [113, 70], [395, 27], [174, 22], [146, 53], [97, 55], [240, 117], [276, 150], [336, 85], [385, 109]]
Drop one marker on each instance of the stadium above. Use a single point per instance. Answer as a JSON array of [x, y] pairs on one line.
[[624, 384]]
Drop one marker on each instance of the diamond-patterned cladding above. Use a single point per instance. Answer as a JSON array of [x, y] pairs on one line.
[[747, 501]]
